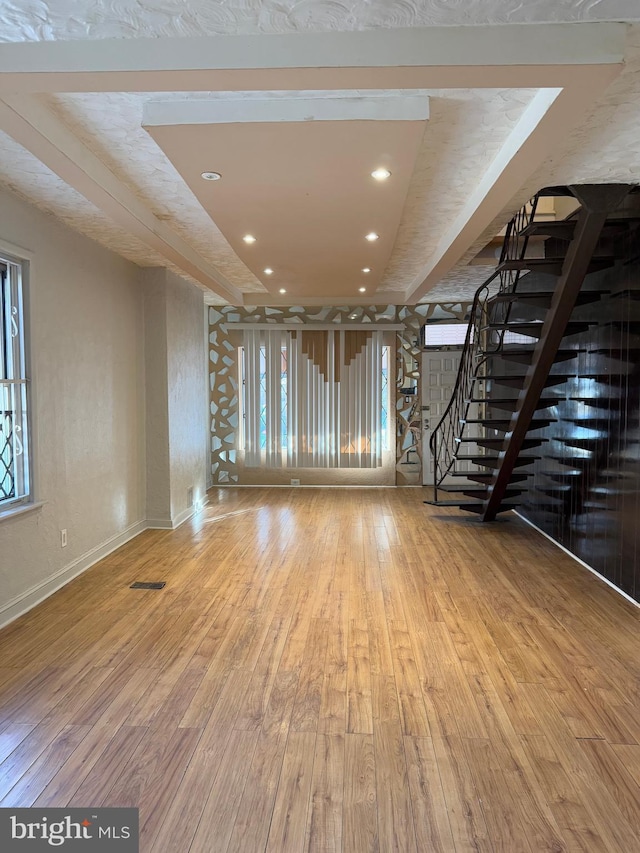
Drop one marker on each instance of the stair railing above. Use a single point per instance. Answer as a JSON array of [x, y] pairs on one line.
[[477, 348]]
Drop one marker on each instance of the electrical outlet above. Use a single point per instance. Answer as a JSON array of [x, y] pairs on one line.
[[190, 496], [63, 538], [295, 482]]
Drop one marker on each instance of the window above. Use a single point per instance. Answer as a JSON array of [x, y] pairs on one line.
[[385, 405], [262, 377], [293, 413], [15, 486], [444, 334], [439, 335]]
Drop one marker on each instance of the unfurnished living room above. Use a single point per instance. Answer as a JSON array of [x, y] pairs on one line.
[[320, 426]]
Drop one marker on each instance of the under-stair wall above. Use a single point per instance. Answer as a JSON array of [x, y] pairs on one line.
[[585, 488]]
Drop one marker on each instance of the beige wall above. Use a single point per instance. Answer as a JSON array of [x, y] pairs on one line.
[[158, 477], [98, 400], [186, 372], [175, 382], [86, 334]]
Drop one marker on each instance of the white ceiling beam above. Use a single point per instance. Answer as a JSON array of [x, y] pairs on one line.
[[387, 58], [296, 79], [542, 131], [397, 108], [520, 44], [35, 127]]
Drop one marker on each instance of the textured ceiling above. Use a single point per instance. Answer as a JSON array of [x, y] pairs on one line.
[[25, 175], [465, 133], [110, 124], [605, 148], [37, 20]]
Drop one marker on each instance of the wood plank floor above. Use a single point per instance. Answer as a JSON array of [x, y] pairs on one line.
[[333, 670]]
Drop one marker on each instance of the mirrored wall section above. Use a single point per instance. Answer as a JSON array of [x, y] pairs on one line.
[[397, 384]]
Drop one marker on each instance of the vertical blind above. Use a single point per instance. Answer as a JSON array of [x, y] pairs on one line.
[[312, 398]]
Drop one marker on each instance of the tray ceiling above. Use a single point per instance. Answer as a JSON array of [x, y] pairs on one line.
[[122, 164]]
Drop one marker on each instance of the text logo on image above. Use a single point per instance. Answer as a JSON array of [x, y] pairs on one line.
[[35, 830]]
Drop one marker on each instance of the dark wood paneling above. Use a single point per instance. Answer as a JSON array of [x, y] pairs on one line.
[[585, 491]]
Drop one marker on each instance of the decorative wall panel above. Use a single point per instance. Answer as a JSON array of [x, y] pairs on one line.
[[223, 373]]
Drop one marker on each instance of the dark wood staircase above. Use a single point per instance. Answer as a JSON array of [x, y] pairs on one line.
[[501, 442]]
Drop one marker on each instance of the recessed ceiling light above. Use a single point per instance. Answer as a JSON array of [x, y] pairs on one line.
[[282, 290], [381, 174], [249, 238], [366, 269], [362, 289], [372, 236], [268, 271], [211, 176]]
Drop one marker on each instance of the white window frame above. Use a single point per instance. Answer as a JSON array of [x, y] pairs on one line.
[[444, 335], [15, 392]]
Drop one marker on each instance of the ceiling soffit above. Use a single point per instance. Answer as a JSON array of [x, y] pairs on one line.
[[296, 176], [551, 74]]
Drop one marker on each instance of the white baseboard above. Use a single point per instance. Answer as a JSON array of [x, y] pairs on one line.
[[159, 524], [26, 600], [184, 515], [578, 560], [301, 486], [172, 524]]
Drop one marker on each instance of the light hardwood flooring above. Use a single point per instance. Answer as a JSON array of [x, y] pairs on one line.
[[333, 670]]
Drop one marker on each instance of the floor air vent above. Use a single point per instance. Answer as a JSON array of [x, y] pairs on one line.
[[148, 585]]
